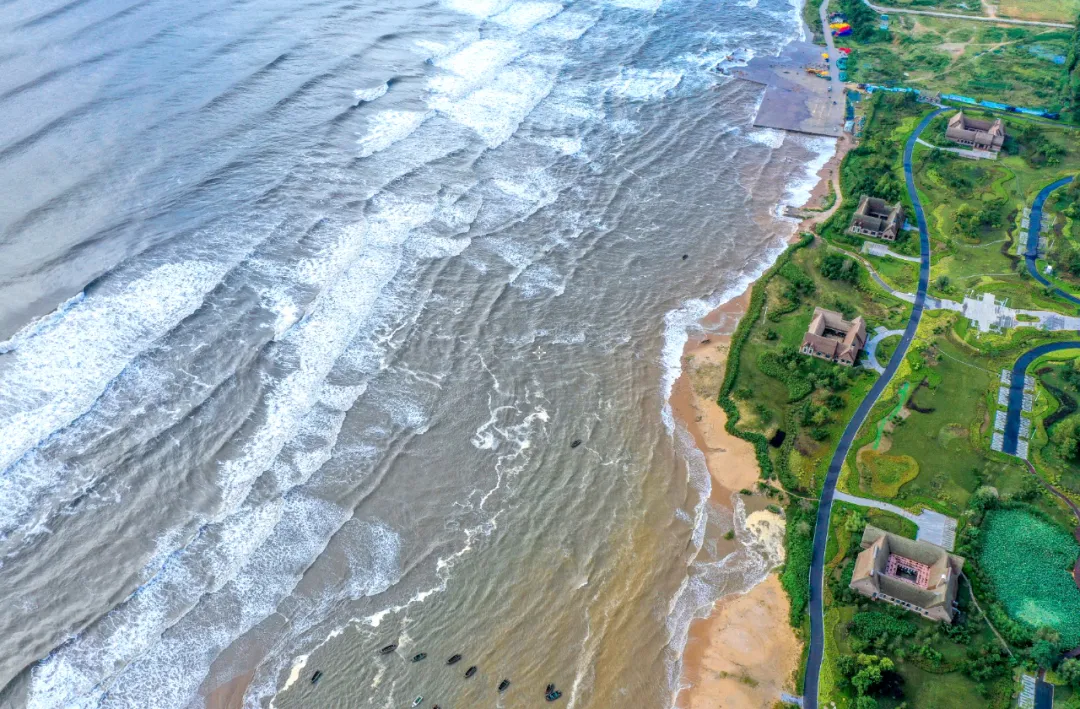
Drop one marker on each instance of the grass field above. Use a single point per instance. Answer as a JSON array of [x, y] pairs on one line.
[[974, 211], [946, 424], [1030, 562], [1006, 63], [1046, 10]]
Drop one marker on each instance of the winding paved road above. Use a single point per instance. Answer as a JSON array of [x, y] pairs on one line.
[[1034, 227], [821, 530]]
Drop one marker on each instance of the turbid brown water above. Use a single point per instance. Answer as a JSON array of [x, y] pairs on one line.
[[305, 305]]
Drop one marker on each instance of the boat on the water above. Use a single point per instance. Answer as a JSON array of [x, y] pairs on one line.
[[503, 685], [316, 677], [470, 672], [419, 656], [416, 702], [454, 660], [388, 649]]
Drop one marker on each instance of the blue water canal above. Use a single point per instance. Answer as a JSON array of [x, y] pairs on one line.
[[1034, 225], [1016, 390], [821, 529]]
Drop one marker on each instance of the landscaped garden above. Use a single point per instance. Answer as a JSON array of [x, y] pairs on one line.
[[921, 663]]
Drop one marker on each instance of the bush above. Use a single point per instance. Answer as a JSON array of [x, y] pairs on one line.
[[881, 627], [837, 267]]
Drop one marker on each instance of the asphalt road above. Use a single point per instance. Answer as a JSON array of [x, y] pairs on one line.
[[821, 529], [1016, 389], [1034, 224]]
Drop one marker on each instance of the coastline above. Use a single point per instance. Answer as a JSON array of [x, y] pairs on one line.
[[744, 653]]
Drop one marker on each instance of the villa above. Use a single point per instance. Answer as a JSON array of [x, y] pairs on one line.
[[918, 576], [832, 337], [875, 217], [977, 134]]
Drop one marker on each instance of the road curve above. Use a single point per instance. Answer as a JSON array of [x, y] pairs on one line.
[[957, 16], [1034, 225], [821, 529]]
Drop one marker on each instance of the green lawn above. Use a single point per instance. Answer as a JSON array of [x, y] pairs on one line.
[[1006, 63], [974, 211]]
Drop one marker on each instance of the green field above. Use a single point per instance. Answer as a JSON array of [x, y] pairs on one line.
[[974, 211], [1030, 561], [1006, 63]]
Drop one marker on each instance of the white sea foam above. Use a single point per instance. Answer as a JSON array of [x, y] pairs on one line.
[[388, 127], [645, 84], [370, 94], [769, 137], [473, 65], [477, 8], [822, 149], [496, 111], [57, 372], [650, 6], [522, 16], [568, 25]]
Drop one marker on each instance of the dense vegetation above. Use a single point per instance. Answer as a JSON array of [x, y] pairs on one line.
[[1029, 562], [1071, 83]]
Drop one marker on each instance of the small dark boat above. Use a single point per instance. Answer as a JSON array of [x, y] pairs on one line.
[[552, 696], [576, 443], [550, 689], [454, 660], [418, 657], [470, 672], [316, 677], [388, 649], [503, 685]]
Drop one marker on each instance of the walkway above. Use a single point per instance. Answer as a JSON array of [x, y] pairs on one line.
[[1034, 229], [962, 152], [934, 527], [871, 348], [821, 530], [882, 250], [954, 15]]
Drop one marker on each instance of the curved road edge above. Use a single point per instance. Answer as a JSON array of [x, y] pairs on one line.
[[1034, 227], [821, 529]]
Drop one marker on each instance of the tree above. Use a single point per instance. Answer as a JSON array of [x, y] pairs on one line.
[[1071, 84], [1066, 437], [1069, 671]]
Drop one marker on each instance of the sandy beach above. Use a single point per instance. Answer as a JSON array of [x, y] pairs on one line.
[[745, 653]]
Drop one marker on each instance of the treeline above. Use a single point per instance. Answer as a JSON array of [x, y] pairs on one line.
[[865, 23], [1071, 88]]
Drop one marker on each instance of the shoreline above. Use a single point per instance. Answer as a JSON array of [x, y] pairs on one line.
[[744, 653]]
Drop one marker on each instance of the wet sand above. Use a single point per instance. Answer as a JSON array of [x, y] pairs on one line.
[[745, 653]]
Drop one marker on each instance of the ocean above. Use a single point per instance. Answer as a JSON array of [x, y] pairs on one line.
[[332, 324]]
